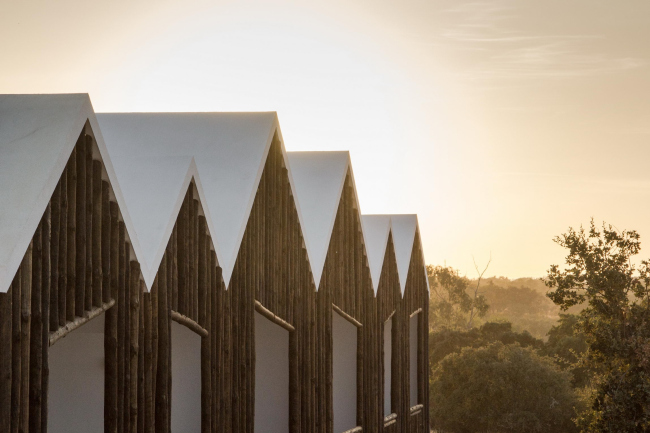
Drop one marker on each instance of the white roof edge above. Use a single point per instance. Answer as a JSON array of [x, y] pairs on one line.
[[317, 274], [8, 271], [296, 202], [149, 274], [117, 191], [404, 227], [375, 262], [228, 267], [192, 174], [424, 262]]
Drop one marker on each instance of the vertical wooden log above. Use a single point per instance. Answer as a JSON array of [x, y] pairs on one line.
[[181, 244], [162, 386], [174, 264], [5, 359], [16, 332], [47, 282], [71, 259], [88, 285], [141, 350], [80, 240], [228, 357], [194, 254], [214, 363], [149, 426], [202, 271], [127, 339], [106, 251], [62, 282], [134, 331], [26, 319], [122, 290], [96, 245], [154, 344], [204, 320], [35, 335], [110, 245], [54, 257]]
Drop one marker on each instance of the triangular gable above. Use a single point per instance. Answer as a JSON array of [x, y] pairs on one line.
[[37, 135], [403, 228], [376, 229], [230, 150], [319, 178], [154, 189]]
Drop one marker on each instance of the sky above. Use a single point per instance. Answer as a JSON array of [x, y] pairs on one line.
[[499, 123]]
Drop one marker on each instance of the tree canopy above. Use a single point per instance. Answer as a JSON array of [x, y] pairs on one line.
[[501, 388], [601, 276]]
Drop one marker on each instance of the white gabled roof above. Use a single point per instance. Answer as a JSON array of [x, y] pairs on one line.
[[376, 229], [37, 136], [318, 178], [229, 149], [154, 189], [403, 228]]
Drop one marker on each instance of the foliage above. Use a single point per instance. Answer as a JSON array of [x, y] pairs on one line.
[[567, 346], [601, 276], [524, 306], [501, 388], [447, 341], [451, 305]]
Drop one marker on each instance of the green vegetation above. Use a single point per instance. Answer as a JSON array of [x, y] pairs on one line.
[[615, 321], [501, 388], [508, 356]]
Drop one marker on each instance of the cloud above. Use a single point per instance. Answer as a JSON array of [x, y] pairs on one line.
[[505, 52]]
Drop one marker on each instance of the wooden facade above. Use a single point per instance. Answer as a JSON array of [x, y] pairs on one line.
[[80, 264]]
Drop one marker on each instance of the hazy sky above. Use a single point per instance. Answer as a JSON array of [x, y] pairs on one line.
[[500, 123]]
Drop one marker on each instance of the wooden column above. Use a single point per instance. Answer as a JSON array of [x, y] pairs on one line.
[[98, 249], [71, 256], [35, 336], [25, 333], [134, 331], [5, 360], [80, 239]]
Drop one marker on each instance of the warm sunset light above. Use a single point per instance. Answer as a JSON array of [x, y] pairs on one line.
[[342, 216], [499, 123]]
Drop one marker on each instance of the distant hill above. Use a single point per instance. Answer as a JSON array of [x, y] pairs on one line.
[[522, 302]]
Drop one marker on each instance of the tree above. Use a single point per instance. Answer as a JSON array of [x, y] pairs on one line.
[[615, 321], [451, 304], [501, 388], [447, 341], [567, 345]]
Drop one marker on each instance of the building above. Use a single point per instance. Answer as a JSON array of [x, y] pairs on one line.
[[182, 271]]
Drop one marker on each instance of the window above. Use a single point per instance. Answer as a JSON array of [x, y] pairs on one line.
[[413, 359], [388, 365], [344, 382], [186, 380], [76, 386], [271, 376]]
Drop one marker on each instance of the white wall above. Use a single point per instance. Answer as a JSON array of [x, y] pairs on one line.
[[76, 387], [344, 336], [388, 365], [186, 380], [271, 377], [413, 359]]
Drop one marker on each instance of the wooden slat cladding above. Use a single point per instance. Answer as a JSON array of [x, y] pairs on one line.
[[416, 296], [80, 261], [273, 271], [346, 283], [188, 289], [390, 307], [60, 283]]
